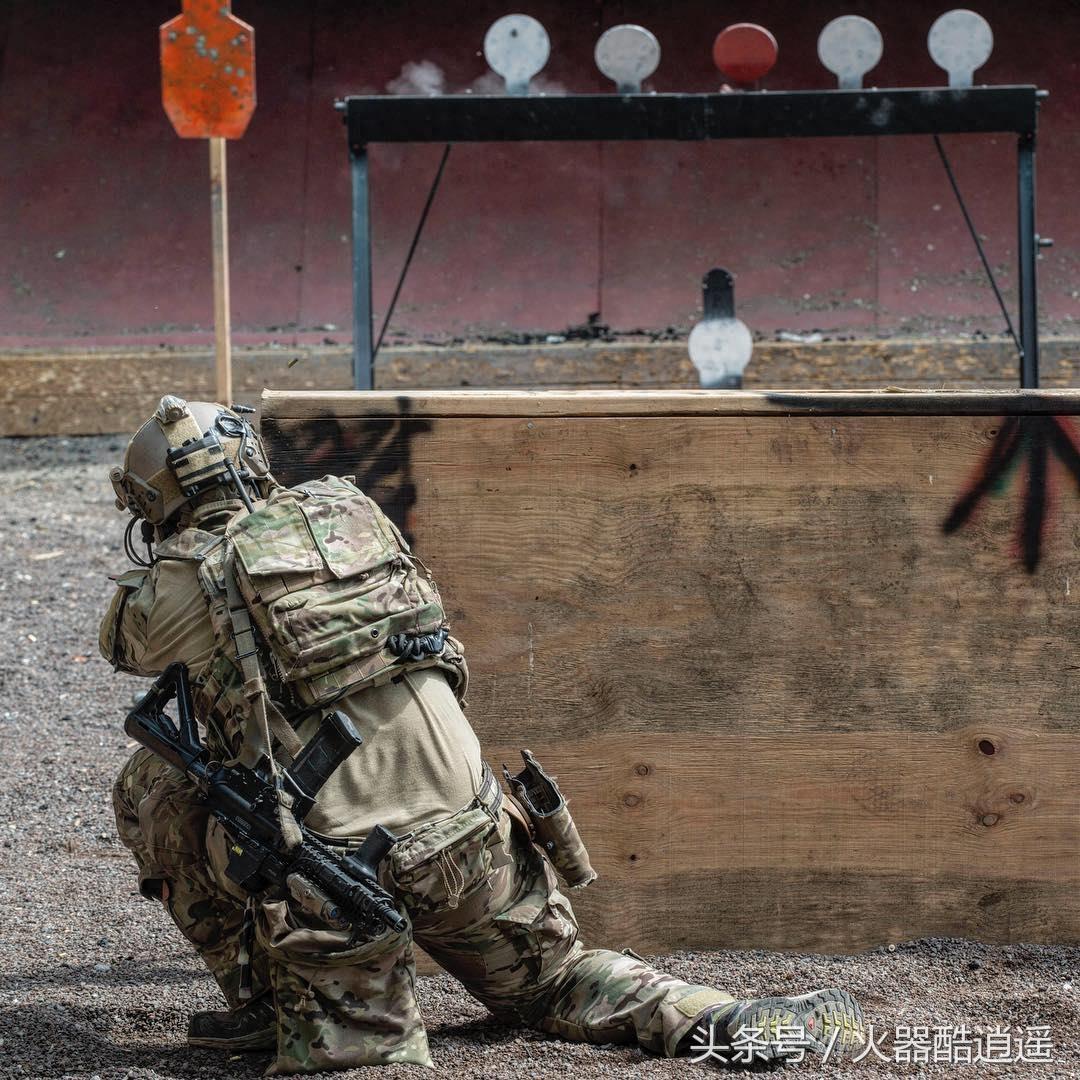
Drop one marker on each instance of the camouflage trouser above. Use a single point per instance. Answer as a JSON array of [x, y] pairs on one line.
[[484, 903], [160, 820], [481, 900]]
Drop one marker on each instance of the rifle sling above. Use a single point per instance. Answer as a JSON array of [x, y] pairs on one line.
[[264, 720]]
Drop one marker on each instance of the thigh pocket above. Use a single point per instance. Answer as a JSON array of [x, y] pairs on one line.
[[445, 863], [173, 822], [340, 1005], [286, 940], [540, 929]]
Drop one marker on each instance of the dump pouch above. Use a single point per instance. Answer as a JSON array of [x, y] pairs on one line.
[[555, 832]]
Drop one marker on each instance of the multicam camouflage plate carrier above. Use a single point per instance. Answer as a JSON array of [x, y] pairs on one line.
[[326, 576], [337, 598]]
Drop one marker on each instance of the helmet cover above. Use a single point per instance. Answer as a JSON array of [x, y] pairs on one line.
[[184, 449]]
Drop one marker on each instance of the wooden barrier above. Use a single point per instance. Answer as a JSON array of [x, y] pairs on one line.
[[805, 663]]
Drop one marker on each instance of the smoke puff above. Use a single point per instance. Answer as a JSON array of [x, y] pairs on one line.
[[418, 79], [491, 84], [424, 78]]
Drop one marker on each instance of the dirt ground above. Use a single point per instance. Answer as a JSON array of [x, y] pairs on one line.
[[94, 981]]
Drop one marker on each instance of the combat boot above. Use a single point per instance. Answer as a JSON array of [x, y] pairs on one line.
[[253, 1026], [768, 1031]]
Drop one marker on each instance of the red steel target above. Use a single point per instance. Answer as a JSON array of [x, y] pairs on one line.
[[745, 52]]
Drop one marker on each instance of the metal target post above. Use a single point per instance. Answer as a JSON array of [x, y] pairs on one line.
[[363, 360], [1028, 250]]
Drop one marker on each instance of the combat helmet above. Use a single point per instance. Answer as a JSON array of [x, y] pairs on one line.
[[184, 450]]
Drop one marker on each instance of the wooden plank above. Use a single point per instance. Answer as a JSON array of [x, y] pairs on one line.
[[837, 843], [809, 911], [838, 803], [349, 404], [789, 708], [219, 222]]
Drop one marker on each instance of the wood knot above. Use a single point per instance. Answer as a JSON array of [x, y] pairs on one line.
[[642, 770], [989, 820], [630, 799]]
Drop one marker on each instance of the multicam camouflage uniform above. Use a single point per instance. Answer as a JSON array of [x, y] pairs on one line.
[[481, 898], [159, 818], [487, 907]]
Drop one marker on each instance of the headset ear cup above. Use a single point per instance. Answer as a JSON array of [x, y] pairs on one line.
[[148, 484]]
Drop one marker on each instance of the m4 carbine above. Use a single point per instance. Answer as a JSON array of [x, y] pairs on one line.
[[340, 889]]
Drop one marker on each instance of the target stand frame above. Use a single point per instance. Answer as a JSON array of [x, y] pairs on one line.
[[754, 114]]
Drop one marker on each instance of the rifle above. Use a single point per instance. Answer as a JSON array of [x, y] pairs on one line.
[[340, 889]]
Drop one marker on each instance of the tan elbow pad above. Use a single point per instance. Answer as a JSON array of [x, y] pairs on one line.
[[111, 634]]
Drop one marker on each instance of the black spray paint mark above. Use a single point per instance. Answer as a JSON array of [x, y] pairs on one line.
[[1022, 443], [377, 448]]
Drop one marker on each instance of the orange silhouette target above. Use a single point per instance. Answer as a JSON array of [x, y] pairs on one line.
[[208, 89], [208, 71]]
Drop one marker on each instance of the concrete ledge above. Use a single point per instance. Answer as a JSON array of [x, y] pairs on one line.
[[94, 392]]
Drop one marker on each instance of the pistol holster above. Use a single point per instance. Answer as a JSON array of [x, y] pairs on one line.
[[554, 831]]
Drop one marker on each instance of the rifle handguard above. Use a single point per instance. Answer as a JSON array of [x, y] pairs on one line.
[[555, 832]]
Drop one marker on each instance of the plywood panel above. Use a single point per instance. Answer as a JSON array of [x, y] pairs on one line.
[[741, 635], [746, 840]]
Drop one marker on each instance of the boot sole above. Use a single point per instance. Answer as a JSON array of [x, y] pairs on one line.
[[829, 1018], [260, 1040]]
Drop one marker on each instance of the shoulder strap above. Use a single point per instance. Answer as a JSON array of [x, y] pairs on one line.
[[264, 717]]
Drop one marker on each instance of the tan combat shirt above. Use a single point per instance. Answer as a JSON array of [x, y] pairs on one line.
[[420, 761]]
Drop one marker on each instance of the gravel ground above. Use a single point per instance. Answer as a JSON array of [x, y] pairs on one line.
[[95, 982]]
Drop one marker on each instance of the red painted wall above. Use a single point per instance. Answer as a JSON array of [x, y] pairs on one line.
[[104, 229]]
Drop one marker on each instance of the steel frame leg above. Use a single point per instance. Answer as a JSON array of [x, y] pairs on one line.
[[1028, 245], [363, 365]]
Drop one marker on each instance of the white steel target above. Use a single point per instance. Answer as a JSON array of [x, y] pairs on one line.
[[720, 349], [517, 48], [849, 47], [960, 42], [627, 55]]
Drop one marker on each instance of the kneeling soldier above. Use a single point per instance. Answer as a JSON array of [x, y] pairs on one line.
[[285, 604]]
